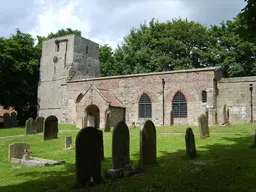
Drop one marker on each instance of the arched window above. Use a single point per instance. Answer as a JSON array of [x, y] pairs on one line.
[[145, 110], [204, 96], [179, 106]]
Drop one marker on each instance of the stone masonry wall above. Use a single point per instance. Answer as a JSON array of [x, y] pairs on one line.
[[117, 115], [128, 89], [234, 92]]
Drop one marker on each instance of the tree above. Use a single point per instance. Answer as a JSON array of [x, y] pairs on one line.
[[231, 51], [159, 46], [248, 18]]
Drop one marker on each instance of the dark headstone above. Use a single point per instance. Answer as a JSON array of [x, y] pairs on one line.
[[120, 146], [190, 143], [171, 118], [14, 119], [51, 127], [40, 124], [148, 143], [7, 120], [88, 156], [101, 144], [30, 126]]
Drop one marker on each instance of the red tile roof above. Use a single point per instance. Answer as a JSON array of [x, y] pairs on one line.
[[111, 98], [3, 111]]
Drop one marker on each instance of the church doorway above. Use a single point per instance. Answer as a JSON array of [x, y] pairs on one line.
[[92, 113]]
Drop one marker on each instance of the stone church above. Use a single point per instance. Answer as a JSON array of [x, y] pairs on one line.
[[71, 88]]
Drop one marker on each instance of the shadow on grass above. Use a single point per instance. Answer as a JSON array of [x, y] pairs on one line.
[[218, 167]]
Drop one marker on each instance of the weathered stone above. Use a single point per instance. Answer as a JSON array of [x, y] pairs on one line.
[[14, 119], [120, 146], [107, 121], [51, 127], [148, 143], [68, 142], [203, 126], [16, 150], [190, 143], [224, 114], [88, 156], [40, 124], [7, 120], [31, 126]]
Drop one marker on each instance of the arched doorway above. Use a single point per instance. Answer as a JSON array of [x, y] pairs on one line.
[[94, 111]]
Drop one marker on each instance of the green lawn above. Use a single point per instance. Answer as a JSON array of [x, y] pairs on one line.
[[226, 162]]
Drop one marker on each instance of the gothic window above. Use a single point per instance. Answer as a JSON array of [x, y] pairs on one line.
[[86, 49], [145, 110], [204, 96], [179, 106]]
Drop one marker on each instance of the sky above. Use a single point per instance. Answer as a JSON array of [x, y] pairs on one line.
[[107, 21]]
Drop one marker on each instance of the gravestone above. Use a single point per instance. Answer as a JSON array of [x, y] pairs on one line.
[[120, 146], [207, 115], [7, 120], [68, 142], [88, 156], [203, 126], [16, 150], [148, 143], [14, 119], [51, 127], [107, 121], [190, 143], [30, 126], [171, 118], [40, 124]]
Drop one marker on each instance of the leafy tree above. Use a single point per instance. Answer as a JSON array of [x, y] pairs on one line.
[[159, 46]]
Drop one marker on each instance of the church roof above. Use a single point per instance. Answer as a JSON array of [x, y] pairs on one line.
[[110, 98]]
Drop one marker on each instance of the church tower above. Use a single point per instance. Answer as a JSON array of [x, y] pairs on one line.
[[64, 59]]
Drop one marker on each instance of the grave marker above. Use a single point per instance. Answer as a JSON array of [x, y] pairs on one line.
[[148, 143], [14, 119], [40, 124], [68, 142], [7, 120], [190, 143], [88, 156], [51, 127]]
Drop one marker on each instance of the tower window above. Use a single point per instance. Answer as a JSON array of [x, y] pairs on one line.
[[86, 50], [204, 96], [57, 46]]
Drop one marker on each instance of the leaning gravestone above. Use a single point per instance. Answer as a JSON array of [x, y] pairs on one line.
[[14, 119], [203, 126], [120, 146], [51, 127], [7, 120], [148, 143], [40, 124], [30, 126], [190, 143], [88, 156]]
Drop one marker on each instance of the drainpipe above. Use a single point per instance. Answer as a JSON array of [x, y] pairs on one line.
[[251, 88], [163, 83]]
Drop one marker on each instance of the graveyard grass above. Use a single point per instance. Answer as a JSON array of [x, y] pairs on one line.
[[225, 162]]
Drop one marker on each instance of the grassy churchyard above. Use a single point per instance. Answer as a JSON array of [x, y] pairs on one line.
[[225, 162]]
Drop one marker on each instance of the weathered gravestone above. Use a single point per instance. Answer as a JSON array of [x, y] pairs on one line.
[[51, 127], [107, 121], [88, 156], [68, 142], [148, 143], [203, 126], [190, 143], [14, 119], [7, 120], [31, 126], [40, 124], [120, 146], [16, 150]]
